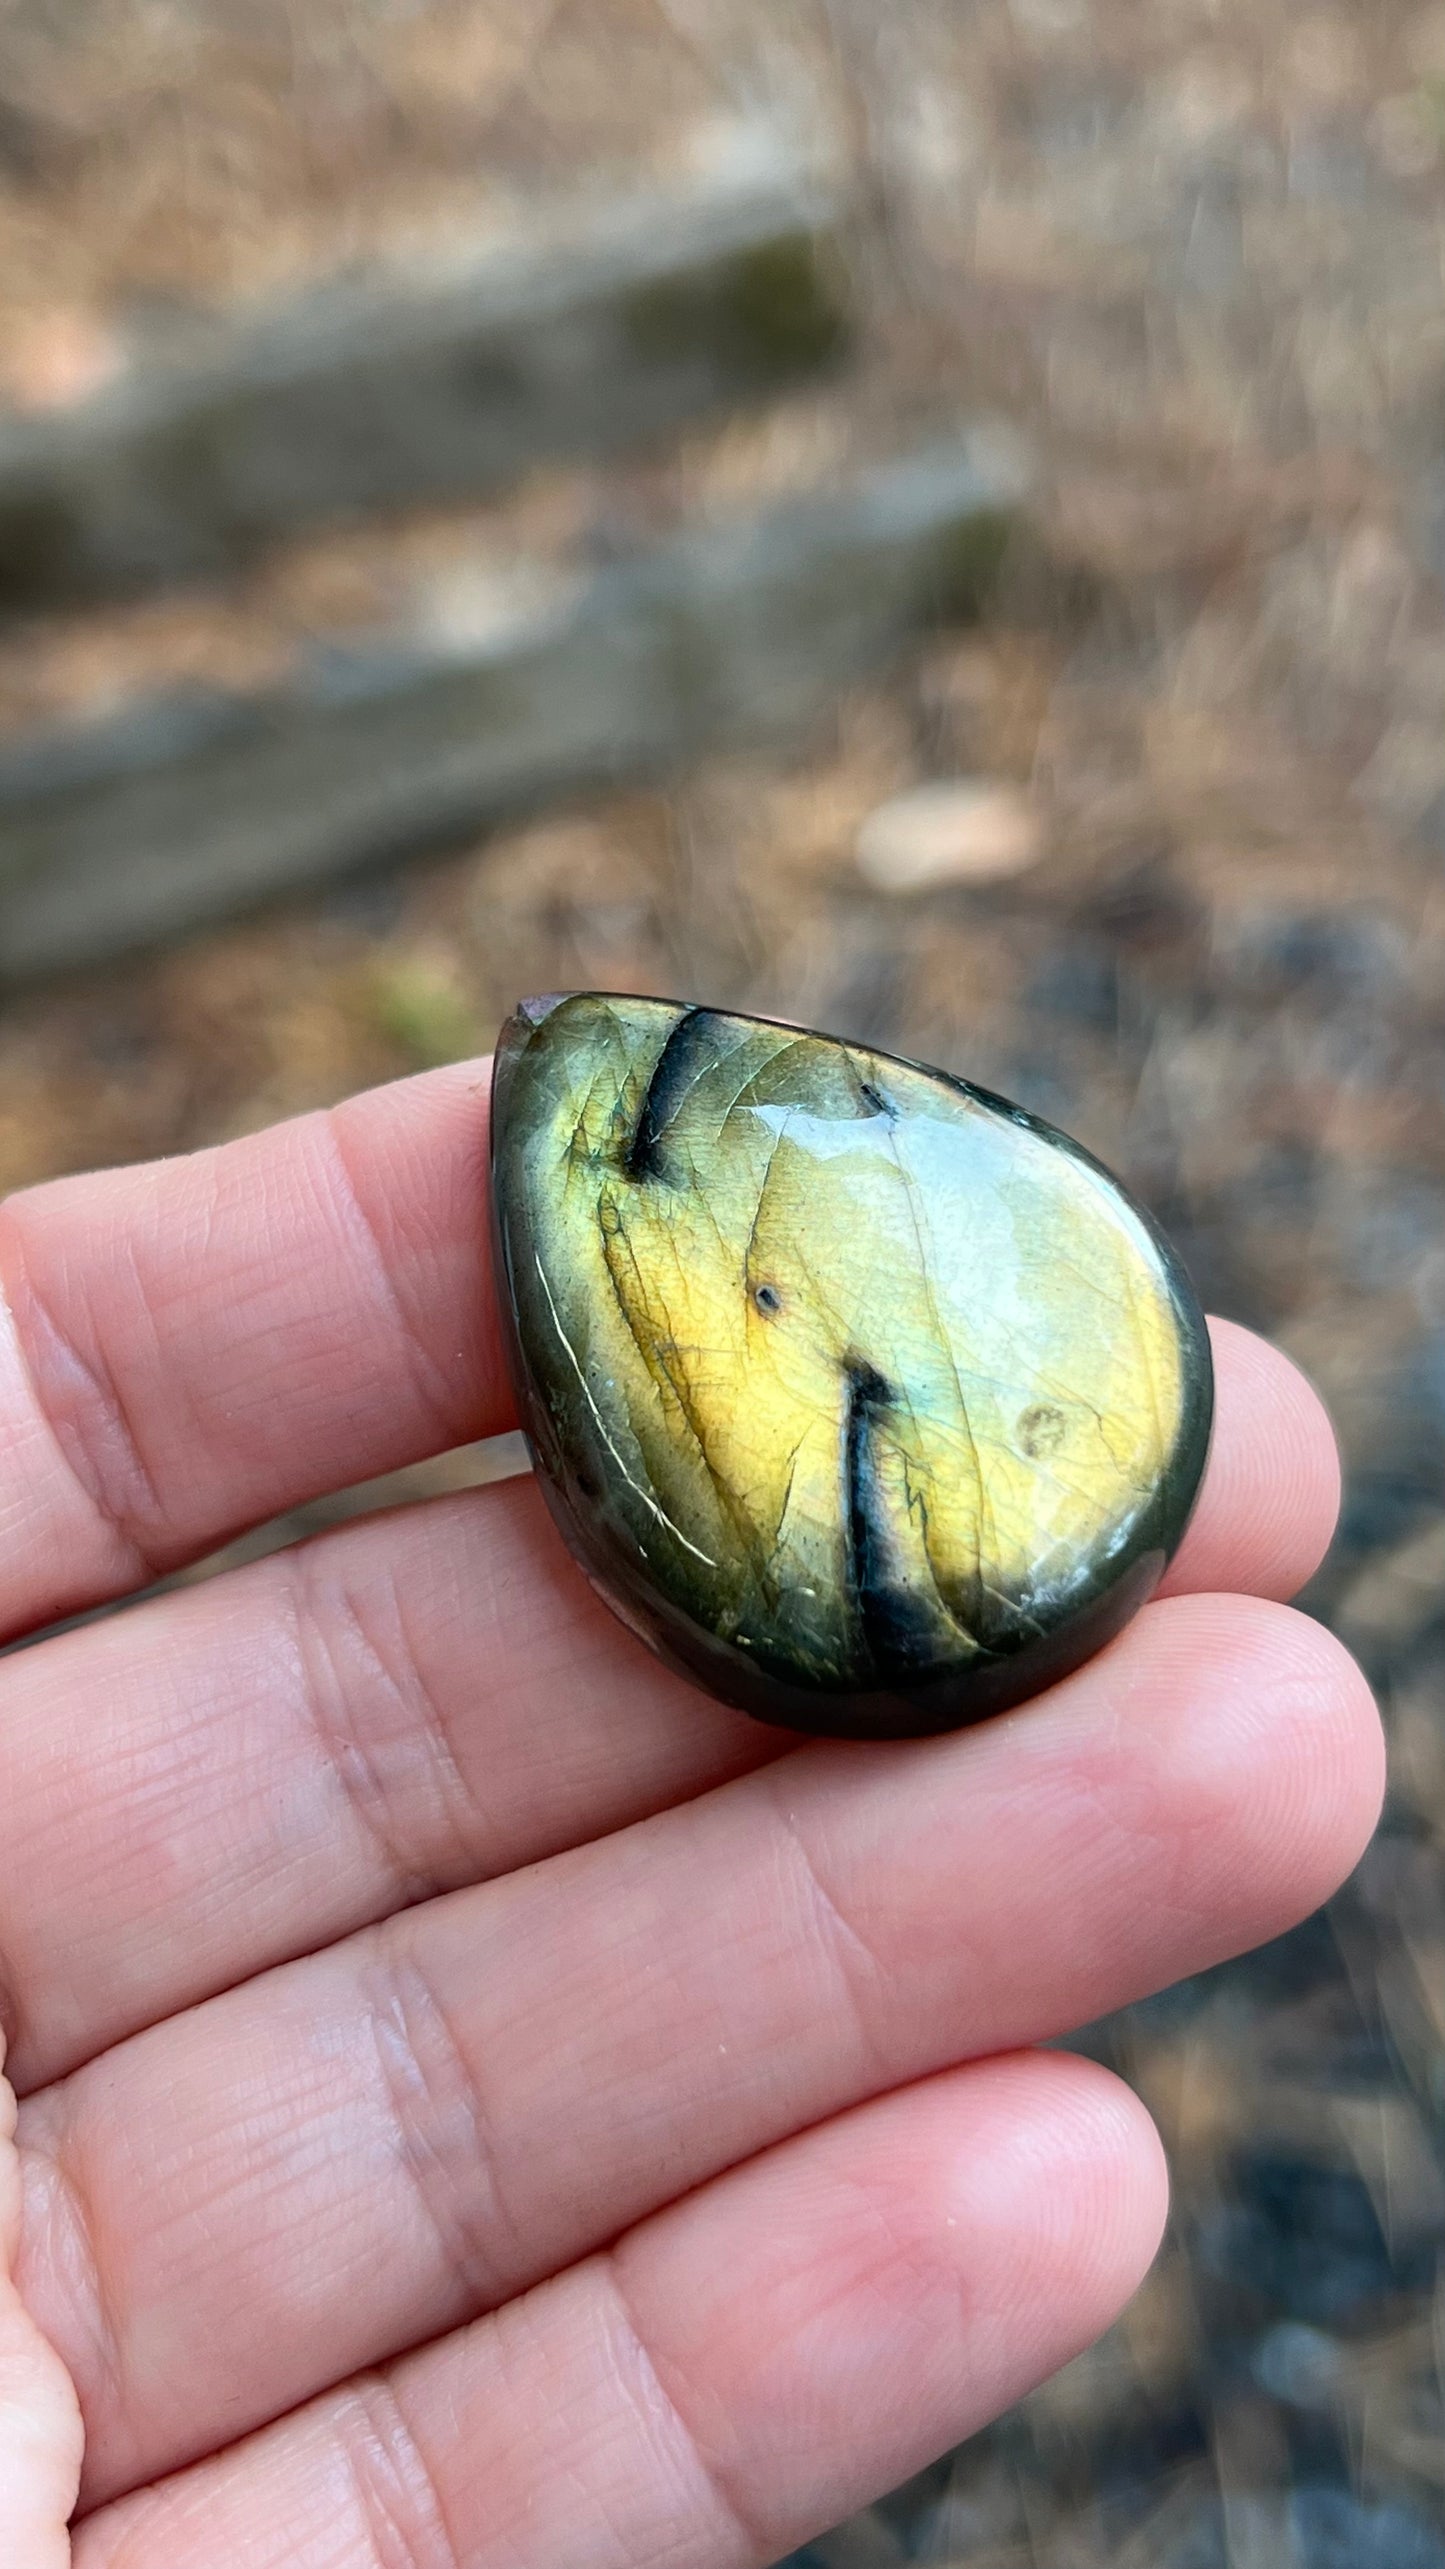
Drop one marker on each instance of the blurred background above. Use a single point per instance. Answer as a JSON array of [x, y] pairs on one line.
[[926, 520]]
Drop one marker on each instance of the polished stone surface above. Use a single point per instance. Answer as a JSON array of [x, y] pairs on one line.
[[870, 1401]]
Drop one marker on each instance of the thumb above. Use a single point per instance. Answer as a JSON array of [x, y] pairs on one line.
[[41, 2437]]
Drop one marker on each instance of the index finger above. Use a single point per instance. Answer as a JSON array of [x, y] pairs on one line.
[[193, 1345], [190, 1346]]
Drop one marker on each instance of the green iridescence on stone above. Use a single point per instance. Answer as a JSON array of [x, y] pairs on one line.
[[873, 1403]]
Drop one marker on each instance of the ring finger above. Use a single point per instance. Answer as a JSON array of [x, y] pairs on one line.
[[369, 2145]]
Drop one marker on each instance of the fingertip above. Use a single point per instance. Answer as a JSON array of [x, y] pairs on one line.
[[1033, 2184], [1036, 2181], [862, 2296], [1339, 1774], [1082, 2178], [1271, 1495], [1284, 1762]]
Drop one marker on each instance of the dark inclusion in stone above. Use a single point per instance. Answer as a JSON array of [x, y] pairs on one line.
[[871, 1402]]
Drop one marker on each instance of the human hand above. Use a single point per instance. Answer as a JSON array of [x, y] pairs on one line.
[[482, 2105]]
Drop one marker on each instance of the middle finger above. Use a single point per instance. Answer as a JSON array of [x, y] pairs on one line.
[[369, 2146], [224, 1778]]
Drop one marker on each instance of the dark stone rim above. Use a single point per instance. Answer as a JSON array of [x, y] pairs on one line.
[[936, 1703]]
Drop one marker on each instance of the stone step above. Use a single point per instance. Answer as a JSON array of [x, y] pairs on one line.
[[613, 323], [191, 807]]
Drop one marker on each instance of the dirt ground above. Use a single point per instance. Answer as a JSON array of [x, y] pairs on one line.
[[1196, 252]]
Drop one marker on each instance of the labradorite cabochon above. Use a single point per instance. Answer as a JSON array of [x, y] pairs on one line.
[[870, 1401]]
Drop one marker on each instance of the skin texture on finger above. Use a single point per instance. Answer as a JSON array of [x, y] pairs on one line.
[[40, 2429], [404, 1706], [373, 2144], [1271, 1492], [742, 2370], [190, 1346]]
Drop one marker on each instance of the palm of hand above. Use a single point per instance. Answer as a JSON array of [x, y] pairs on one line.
[[482, 2105]]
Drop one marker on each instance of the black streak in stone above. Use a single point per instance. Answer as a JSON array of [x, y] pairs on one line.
[[689, 1049], [893, 1623]]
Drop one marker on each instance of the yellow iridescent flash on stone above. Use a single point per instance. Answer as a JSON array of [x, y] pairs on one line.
[[871, 1402]]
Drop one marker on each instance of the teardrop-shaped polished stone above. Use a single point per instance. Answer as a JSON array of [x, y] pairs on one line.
[[870, 1401]]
